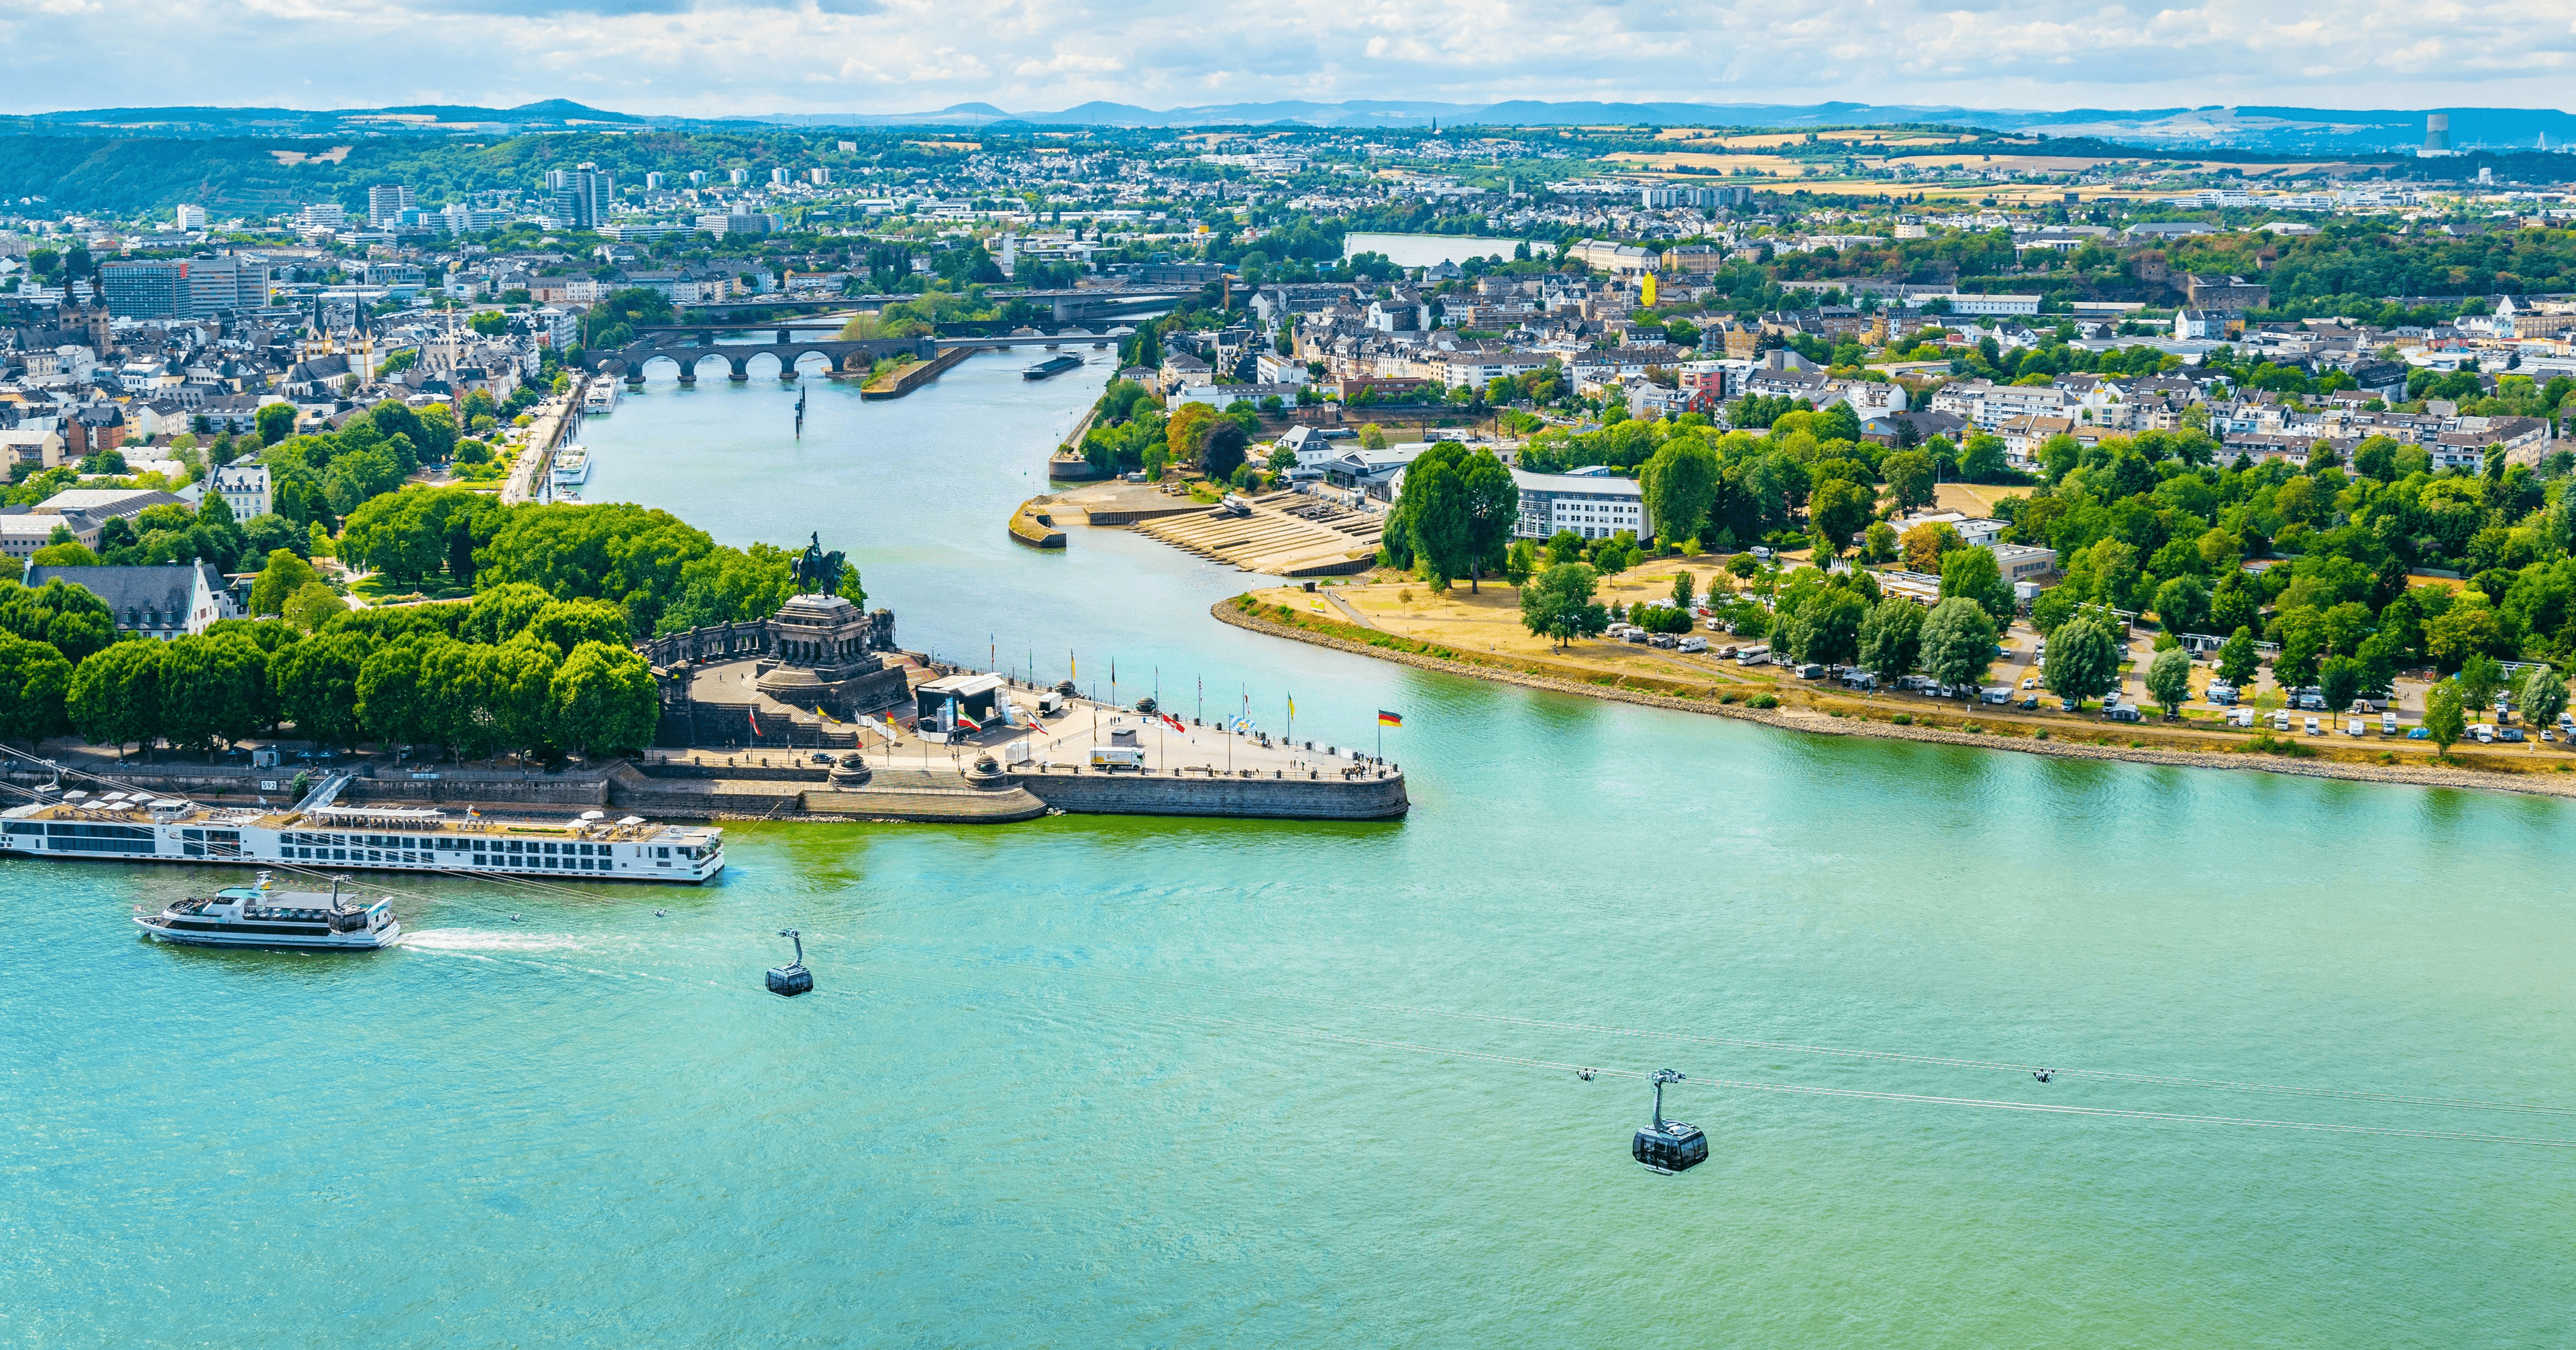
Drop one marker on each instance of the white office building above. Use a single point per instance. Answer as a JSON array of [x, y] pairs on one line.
[[1595, 505]]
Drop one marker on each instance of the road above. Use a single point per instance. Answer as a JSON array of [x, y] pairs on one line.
[[539, 449]]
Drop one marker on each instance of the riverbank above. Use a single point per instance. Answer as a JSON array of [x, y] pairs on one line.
[[1799, 710]]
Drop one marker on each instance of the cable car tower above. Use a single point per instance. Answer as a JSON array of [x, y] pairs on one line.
[[1669, 1146]]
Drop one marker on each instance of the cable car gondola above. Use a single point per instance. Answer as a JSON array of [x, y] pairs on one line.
[[1670, 1146], [791, 980]]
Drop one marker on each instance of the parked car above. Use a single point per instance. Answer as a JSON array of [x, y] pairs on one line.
[[2071, 704], [2312, 703], [2030, 682], [2418, 734], [2029, 703], [1761, 552]]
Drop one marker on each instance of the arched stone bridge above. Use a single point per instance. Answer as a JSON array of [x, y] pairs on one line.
[[845, 358]]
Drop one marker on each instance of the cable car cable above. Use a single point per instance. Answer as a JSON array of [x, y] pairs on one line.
[[1792, 1089], [1936, 1061]]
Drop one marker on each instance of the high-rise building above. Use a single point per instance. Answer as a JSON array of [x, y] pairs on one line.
[[2437, 133], [697, 178], [582, 197], [778, 177], [819, 177], [154, 289], [738, 177], [655, 182], [225, 283], [386, 202], [184, 288], [192, 217]]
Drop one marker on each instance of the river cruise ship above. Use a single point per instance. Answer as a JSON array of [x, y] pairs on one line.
[[258, 916], [137, 827], [600, 397], [572, 466]]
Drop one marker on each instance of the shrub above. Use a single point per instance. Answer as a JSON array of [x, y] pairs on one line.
[[1902, 719], [1762, 701]]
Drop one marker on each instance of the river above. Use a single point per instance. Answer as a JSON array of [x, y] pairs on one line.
[[1106, 1082]]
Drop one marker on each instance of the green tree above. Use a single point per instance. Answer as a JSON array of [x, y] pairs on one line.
[[1973, 574], [2182, 604], [2083, 659], [1681, 482], [2238, 660], [1436, 516], [2541, 694], [1519, 562], [1839, 508], [1891, 638], [213, 690], [604, 699], [1910, 478], [2339, 681], [276, 423], [115, 696], [520, 689], [1958, 644], [394, 703], [66, 617], [567, 624], [2169, 679], [1927, 544], [1684, 590], [2480, 677], [1825, 626], [284, 575], [35, 680], [1493, 509], [1558, 604], [2444, 720], [313, 605], [317, 687]]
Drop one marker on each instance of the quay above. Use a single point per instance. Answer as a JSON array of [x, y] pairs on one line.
[[904, 379]]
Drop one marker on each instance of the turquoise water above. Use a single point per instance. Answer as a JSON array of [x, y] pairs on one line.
[[1125, 1082]]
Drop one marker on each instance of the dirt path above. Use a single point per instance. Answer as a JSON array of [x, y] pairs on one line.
[[1822, 723]]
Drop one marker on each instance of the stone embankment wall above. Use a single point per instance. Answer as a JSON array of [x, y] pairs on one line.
[[1330, 797]]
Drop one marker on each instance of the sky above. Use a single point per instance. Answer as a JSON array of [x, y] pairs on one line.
[[749, 57]]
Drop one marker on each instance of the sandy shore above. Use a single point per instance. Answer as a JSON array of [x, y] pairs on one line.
[[1808, 720]]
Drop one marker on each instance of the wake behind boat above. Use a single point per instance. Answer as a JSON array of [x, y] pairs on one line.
[[258, 916]]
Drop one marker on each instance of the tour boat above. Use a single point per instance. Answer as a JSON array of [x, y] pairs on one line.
[[258, 916], [600, 397], [137, 827]]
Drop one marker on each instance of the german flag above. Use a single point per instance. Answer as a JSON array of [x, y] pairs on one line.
[[1388, 719]]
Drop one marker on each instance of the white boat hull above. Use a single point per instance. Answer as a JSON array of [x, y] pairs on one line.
[[155, 925]]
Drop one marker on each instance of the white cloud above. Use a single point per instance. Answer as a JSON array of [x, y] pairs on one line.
[[714, 57]]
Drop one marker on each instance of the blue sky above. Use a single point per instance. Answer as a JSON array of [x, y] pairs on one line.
[[714, 57]]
